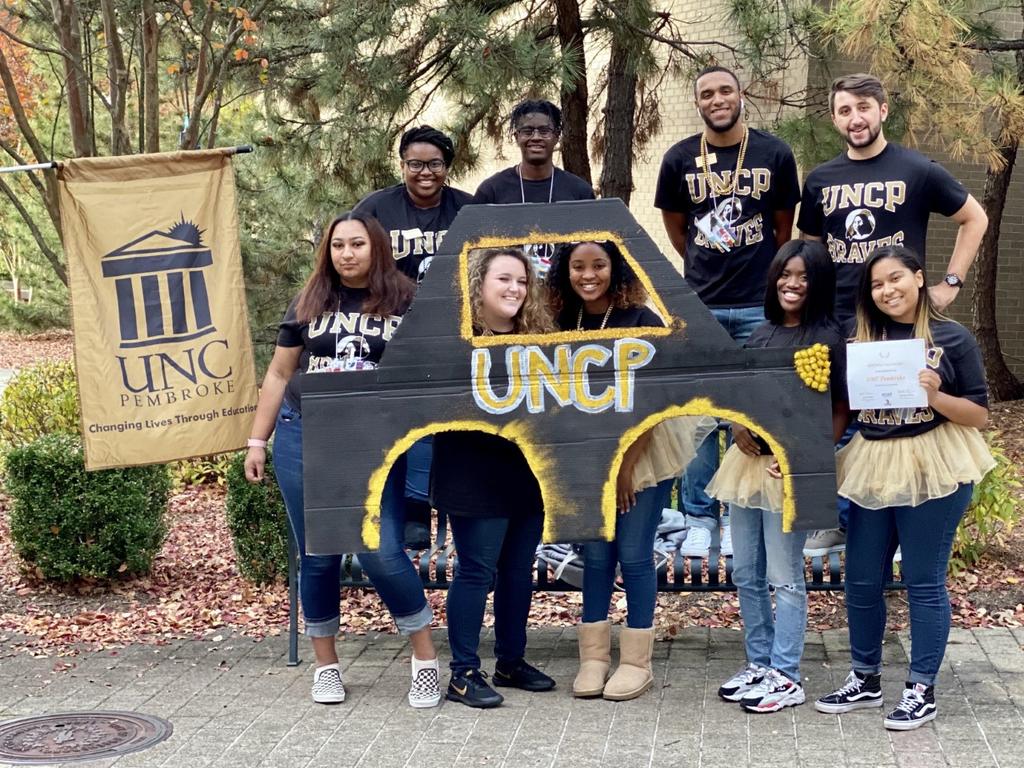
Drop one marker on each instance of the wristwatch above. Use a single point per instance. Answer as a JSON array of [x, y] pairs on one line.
[[953, 280]]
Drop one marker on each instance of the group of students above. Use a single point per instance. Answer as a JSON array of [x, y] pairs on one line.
[[908, 479]]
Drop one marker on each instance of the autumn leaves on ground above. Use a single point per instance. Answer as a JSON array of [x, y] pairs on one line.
[[195, 590]]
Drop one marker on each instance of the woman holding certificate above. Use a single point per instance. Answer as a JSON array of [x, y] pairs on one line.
[[908, 473]]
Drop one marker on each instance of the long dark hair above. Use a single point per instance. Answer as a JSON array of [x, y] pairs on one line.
[[820, 297], [624, 289], [390, 291], [871, 321]]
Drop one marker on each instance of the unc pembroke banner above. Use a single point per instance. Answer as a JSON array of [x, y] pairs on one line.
[[162, 351]]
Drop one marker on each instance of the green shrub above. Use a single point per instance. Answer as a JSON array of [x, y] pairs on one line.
[[992, 513], [41, 400], [258, 523], [70, 523], [200, 471]]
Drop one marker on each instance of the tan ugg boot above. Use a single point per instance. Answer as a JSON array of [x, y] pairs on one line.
[[595, 639], [634, 675]]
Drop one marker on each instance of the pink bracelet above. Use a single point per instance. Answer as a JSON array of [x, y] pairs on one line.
[[255, 442]]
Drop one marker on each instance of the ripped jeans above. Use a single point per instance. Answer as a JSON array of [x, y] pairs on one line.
[[763, 557]]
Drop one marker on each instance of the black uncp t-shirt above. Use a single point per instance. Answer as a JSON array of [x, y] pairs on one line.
[[341, 340], [768, 183], [955, 356], [416, 233], [503, 188], [856, 206], [630, 317]]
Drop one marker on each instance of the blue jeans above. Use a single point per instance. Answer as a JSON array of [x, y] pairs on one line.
[[633, 549], [765, 557], [740, 323], [493, 552], [925, 533], [417, 477], [390, 569]]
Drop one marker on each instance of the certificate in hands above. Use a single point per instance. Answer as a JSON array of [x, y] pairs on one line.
[[884, 374]]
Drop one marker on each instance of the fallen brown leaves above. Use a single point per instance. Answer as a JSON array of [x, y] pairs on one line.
[[18, 350]]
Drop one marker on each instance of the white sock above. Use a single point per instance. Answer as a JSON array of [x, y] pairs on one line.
[[418, 664]]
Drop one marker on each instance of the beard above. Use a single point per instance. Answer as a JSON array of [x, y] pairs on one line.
[[873, 132], [734, 118]]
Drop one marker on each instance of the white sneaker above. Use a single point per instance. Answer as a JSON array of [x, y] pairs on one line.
[[697, 543], [327, 686], [737, 686], [726, 545], [425, 690], [774, 692]]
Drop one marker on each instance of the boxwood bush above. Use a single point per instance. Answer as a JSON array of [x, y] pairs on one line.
[[70, 523], [42, 399], [258, 523]]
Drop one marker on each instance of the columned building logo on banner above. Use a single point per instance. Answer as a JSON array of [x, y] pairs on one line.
[[161, 273]]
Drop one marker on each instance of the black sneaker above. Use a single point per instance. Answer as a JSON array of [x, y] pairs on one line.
[[519, 674], [417, 536], [470, 688], [915, 709], [858, 692]]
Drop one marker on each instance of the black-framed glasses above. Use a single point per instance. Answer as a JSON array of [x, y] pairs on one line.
[[435, 165], [544, 131]]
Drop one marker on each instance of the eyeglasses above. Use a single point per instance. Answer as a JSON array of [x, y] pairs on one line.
[[544, 131], [435, 165]]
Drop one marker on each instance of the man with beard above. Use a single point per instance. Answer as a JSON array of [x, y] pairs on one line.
[[878, 194], [727, 197], [536, 126]]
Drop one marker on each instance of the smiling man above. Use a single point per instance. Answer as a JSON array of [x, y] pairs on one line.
[[878, 194], [727, 197], [536, 126]]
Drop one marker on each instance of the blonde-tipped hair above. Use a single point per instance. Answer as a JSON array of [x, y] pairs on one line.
[[871, 320], [532, 317]]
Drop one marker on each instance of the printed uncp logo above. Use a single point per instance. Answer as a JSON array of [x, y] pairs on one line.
[[156, 267]]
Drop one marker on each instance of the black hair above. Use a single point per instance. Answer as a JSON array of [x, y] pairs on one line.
[[538, 107], [425, 134], [624, 289], [871, 321], [820, 297], [716, 68]]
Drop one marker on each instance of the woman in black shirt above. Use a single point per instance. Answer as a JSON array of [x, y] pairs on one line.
[[341, 321], [909, 475]]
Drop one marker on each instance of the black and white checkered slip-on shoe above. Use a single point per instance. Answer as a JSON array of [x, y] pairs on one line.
[[327, 686]]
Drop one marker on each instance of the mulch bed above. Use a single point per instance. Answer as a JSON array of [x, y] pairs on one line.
[[195, 590]]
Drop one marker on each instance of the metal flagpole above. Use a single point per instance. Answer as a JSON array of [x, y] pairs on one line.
[[52, 165]]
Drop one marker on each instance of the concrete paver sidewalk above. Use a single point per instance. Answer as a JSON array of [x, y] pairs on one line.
[[236, 703]]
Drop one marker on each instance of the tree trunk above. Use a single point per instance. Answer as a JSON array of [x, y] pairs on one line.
[[67, 28], [1003, 385], [150, 77], [575, 157], [619, 113], [117, 77]]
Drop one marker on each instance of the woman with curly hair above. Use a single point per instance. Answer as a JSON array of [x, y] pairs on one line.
[[485, 486], [591, 288]]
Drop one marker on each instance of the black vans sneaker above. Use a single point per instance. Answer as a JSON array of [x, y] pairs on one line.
[[519, 674], [915, 709], [858, 692], [470, 688]]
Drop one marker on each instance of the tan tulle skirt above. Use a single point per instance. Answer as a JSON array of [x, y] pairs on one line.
[[673, 445], [744, 480], [907, 471]]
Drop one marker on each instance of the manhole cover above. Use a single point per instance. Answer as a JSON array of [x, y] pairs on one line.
[[77, 736]]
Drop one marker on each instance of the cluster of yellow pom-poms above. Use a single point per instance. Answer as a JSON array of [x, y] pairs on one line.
[[813, 366]]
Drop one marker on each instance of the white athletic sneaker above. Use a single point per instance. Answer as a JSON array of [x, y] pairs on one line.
[[697, 543], [726, 545], [774, 692], [425, 690], [327, 686], [743, 681]]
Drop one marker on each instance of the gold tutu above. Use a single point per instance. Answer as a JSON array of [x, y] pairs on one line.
[[907, 471], [673, 445], [743, 480]]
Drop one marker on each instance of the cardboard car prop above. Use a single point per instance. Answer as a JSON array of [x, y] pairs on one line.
[[573, 402]]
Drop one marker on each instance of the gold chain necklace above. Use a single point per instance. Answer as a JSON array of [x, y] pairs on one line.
[[604, 320], [729, 188]]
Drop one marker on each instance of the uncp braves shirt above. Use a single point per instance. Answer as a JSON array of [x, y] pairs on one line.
[[416, 233], [856, 206], [955, 356], [346, 339], [767, 183]]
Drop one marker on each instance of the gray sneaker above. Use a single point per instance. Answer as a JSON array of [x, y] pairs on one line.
[[821, 543]]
